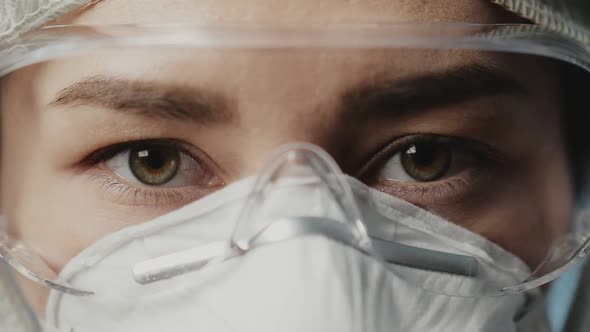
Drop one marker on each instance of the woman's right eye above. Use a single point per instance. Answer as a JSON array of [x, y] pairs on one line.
[[156, 164]]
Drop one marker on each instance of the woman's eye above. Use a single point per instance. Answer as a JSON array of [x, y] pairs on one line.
[[160, 165], [425, 161]]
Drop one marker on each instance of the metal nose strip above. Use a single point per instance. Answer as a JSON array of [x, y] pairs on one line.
[[425, 259], [178, 263]]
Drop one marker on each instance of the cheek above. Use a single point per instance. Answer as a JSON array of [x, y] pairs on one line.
[[525, 212], [57, 211], [556, 192], [59, 217], [68, 214]]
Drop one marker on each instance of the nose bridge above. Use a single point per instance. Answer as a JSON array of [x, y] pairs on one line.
[[274, 125], [288, 96]]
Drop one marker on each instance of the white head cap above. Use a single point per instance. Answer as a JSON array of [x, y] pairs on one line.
[[19, 16]]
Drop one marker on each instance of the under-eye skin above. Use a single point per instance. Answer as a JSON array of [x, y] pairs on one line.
[[425, 169], [152, 173]]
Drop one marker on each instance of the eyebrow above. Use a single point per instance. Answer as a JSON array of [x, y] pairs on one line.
[[381, 96], [151, 99], [400, 96]]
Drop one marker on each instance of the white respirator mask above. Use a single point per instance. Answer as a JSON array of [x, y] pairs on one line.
[[300, 248]]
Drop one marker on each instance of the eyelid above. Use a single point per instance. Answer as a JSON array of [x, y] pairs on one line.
[[130, 195], [112, 150], [428, 194], [190, 150]]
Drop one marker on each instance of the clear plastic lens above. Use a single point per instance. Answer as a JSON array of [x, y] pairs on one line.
[[438, 152], [30, 264]]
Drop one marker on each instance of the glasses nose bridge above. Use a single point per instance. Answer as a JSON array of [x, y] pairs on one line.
[[299, 180]]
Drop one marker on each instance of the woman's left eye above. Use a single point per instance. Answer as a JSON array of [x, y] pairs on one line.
[[423, 166], [426, 169], [160, 165], [425, 161], [418, 162]]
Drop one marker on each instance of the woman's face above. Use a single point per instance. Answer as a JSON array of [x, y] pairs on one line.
[[93, 144]]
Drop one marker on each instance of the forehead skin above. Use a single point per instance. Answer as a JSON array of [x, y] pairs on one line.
[[289, 11]]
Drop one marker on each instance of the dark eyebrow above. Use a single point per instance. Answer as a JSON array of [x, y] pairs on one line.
[[150, 99], [426, 91]]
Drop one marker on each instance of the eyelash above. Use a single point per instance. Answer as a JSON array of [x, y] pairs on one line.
[[135, 196], [110, 151]]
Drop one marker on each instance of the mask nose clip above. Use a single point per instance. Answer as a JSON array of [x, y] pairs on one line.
[[300, 191], [303, 192]]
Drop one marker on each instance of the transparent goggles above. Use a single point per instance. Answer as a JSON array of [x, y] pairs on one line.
[[105, 128]]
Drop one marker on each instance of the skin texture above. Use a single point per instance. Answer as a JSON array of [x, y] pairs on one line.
[[59, 204]]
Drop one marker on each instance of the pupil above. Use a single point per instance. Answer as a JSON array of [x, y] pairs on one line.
[[154, 165], [426, 161], [423, 154], [155, 159]]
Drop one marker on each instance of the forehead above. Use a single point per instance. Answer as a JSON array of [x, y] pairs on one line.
[[275, 76], [273, 11], [277, 12]]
